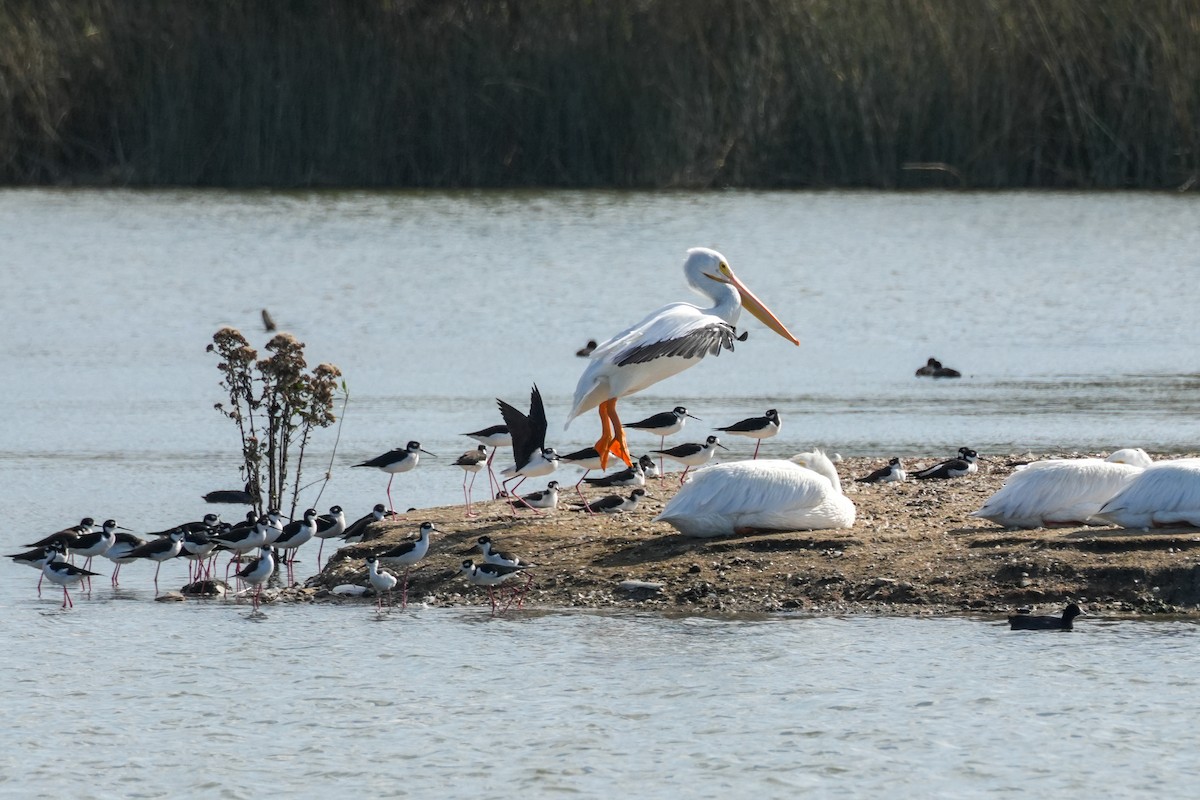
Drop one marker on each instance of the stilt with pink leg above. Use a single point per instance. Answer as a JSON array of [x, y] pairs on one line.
[[382, 582], [37, 558], [471, 463], [531, 457], [494, 437], [258, 572], [160, 550], [402, 459], [489, 576], [64, 574], [759, 428], [407, 554], [329, 526]]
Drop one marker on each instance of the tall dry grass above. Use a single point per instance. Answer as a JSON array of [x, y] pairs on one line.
[[626, 93]]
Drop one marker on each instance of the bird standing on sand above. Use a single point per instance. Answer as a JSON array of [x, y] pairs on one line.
[[531, 457], [1030, 622], [494, 437], [471, 462], [408, 553], [759, 428], [892, 473], [951, 468], [692, 455], [665, 343], [402, 459]]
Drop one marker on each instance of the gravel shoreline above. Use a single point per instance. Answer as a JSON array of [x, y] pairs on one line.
[[914, 549]]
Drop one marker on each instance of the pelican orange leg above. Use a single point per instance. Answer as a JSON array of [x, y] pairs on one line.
[[612, 435]]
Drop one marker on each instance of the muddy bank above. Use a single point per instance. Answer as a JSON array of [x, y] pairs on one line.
[[914, 549]]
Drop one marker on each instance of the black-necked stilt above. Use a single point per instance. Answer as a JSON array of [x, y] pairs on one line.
[[666, 342], [893, 472], [382, 582], [586, 350], [502, 559], [633, 476], [934, 369], [489, 575], [96, 543], [1030, 622], [650, 468], [160, 550], [209, 523], [547, 498], [360, 529], [692, 455], [471, 462], [493, 556], [66, 536], [531, 457], [243, 497], [120, 552], [586, 459], [294, 535], [64, 574], [407, 554], [258, 572], [759, 428], [615, 503], [951, 468], [242, 539], [195, 548], [329, 526], [494, 437], [402, 459], [663, 425], [38, 556]]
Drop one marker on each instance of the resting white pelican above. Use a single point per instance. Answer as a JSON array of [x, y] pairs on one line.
[[1062, 491], [1166, 494], [769, 495], [667, 342]]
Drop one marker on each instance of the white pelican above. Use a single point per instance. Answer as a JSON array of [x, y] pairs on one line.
[[1062, 491], [804, 493], [1166, 494], [667, 342]]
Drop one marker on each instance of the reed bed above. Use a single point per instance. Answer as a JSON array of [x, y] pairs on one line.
[[602, 93]]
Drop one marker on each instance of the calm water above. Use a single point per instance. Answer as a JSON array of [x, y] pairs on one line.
[[1070, 316]]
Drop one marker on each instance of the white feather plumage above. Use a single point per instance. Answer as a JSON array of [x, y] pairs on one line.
[[767, 495], [1165, 494], [1062, 492]]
